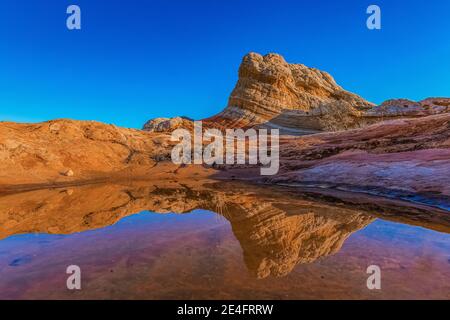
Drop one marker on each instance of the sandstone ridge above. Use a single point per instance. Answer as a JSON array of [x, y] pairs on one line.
[[298, 100]]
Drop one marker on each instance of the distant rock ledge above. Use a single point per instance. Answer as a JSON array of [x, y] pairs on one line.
[[167, 124]]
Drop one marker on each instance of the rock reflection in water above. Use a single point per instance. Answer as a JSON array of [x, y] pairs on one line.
[[275, 233], [276, 230], [177, 256]]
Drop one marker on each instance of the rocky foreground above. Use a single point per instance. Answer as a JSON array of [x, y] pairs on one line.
[[331, 139], [407, 158]]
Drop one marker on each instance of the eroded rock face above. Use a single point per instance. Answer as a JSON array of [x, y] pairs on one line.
[[64, 150], [168, 124], [409, 155], [408, 108], [404, 155], [268, 86], [298, 100]]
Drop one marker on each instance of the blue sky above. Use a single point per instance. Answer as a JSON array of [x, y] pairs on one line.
[[138, 59]]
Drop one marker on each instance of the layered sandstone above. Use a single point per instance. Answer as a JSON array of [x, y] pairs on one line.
[[407, 158], [168, 124], [67, 150], [270, 90], [298, 100]]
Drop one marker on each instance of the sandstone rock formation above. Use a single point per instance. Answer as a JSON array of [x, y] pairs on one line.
[[404, 154], [298, 100], [168, 124], [408, 158], [270, 91], [53, 151], [405, 107], [68, 173]]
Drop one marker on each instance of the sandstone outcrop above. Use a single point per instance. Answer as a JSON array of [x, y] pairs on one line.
[[53, 151], [408, 158], [298, 100], [403, 108], [270, 90], [68, 173], [168, 124]]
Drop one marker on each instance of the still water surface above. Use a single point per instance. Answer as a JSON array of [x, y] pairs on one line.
[[251, 246]]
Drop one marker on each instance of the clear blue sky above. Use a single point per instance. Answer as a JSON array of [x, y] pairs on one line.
[[138, 59]]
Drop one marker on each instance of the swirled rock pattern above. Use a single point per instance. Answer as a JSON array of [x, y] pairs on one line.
[[299, 100]]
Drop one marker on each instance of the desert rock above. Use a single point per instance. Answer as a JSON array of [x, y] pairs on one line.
[[68, 173], [298, 100], [168, 124]]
